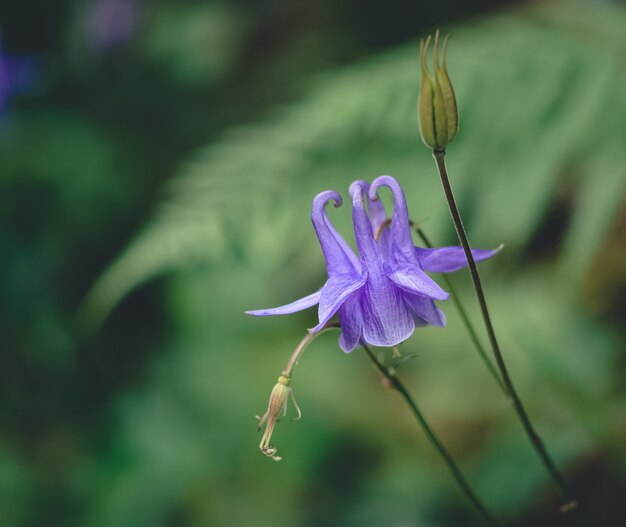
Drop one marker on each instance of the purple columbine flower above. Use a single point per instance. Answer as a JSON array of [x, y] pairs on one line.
[[382, 295]]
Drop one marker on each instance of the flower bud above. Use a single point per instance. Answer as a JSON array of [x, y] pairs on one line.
[[436, 107], [277, 404]]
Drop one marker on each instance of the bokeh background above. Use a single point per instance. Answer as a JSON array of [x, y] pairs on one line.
[[157, 164]]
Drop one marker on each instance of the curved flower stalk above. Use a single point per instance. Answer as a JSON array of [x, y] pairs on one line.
[[384, 293], [280, 394]]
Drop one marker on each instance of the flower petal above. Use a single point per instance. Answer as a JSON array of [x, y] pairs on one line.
[[449, 259], [298, 305], [419, 321], [351, 321], [338, 255], [371, 258], [400, 227], [387, 320], [334, 293], [375, 207], [413, 280], [426, 310], [377, 216]]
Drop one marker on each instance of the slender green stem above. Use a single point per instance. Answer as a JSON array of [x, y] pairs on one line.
[[465, 318], [390, 375], [506, 378]]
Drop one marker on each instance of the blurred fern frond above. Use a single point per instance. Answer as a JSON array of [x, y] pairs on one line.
[[542, 99]]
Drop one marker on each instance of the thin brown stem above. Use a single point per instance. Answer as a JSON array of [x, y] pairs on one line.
[[390, 376], [506, 378]]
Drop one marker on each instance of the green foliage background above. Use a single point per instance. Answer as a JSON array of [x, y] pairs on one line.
[[153, 192]]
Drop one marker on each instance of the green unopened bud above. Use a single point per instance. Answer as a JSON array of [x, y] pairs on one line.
[[279, 398], [436, 107]]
